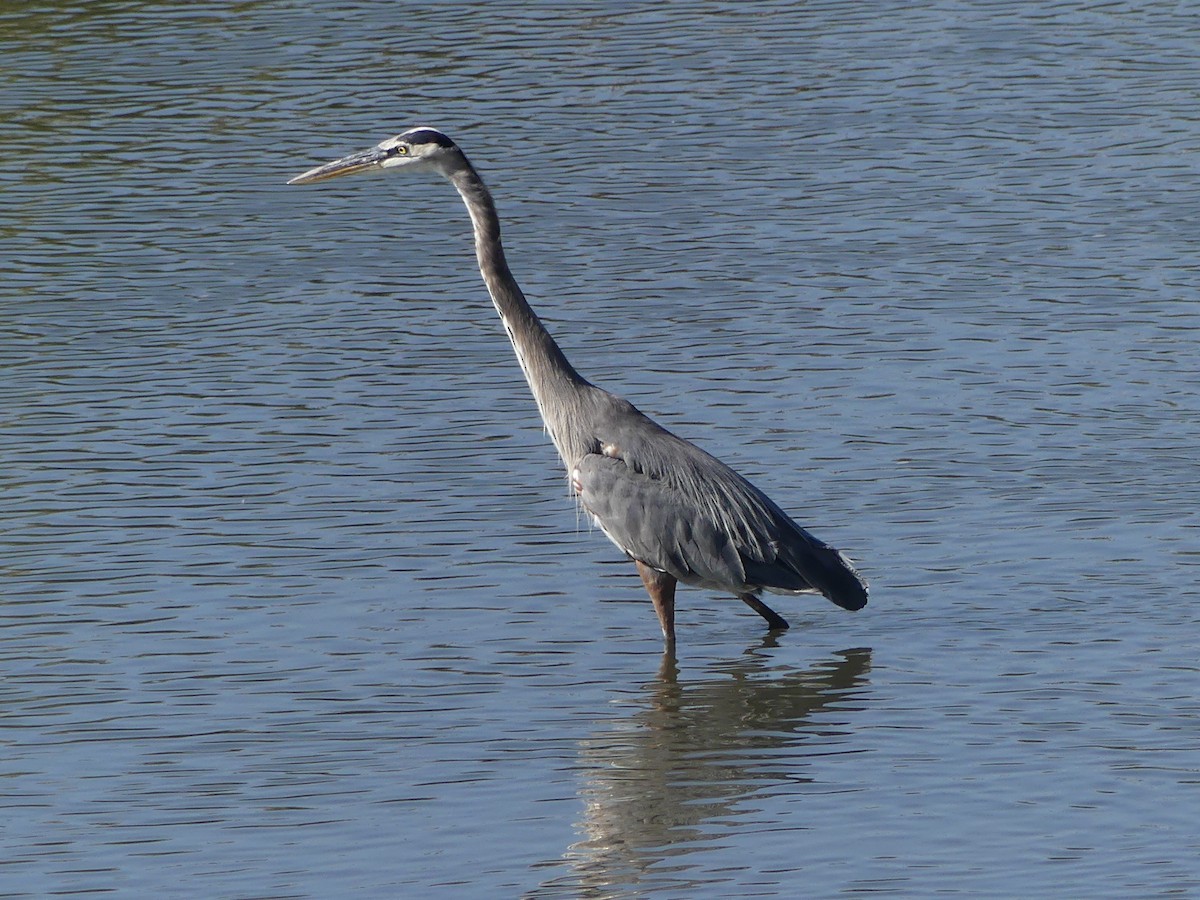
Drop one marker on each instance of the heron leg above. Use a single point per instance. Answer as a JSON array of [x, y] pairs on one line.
[[775, 621], [661, 588]]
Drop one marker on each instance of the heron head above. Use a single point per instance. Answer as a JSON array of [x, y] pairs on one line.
[[417, 148]]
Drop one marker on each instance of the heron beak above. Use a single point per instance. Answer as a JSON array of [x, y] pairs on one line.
[[347, 165]]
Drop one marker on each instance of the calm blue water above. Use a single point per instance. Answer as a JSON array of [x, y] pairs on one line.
[[295, 602]]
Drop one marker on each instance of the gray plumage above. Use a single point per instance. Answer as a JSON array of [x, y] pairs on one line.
[[680, 513]]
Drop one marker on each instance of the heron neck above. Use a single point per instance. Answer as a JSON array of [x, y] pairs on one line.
[[551, 378]]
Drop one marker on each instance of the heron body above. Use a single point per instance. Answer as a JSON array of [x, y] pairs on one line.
[[681, 514]]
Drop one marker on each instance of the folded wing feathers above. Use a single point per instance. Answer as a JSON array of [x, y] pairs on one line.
[[718, 520]]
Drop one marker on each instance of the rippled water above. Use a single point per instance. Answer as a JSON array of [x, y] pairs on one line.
[[295, 602]]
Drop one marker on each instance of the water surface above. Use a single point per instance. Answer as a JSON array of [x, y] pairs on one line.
[[295, 601]]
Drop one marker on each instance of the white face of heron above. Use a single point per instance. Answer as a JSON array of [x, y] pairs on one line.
[[418, 147]]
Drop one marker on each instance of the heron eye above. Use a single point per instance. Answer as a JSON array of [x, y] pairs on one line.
[[401, 151]]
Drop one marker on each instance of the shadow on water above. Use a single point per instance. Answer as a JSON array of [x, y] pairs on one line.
[[674, 777]]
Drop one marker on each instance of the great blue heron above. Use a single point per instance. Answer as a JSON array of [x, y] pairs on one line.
[[677, 512]]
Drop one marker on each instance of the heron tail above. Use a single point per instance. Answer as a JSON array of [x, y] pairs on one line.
[[838, 580], [805, 564]]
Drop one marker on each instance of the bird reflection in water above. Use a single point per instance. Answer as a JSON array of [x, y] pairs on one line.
[[657, 782]]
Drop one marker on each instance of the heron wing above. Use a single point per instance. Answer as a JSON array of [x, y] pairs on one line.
[[650, 520], [701, 521]]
